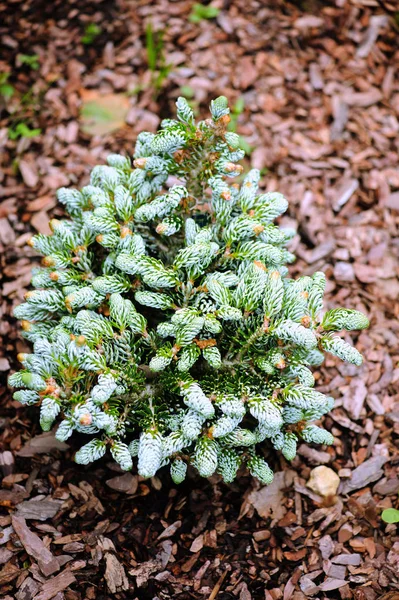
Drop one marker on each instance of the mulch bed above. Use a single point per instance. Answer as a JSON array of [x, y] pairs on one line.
[[321, 116]]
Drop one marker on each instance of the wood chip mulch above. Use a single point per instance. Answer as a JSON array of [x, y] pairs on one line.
[[321, 89]]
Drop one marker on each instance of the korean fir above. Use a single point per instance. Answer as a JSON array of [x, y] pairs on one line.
[[163, 321]]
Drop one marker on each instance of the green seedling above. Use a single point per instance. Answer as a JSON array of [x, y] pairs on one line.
[[6, 89], [92, 31], [22, 130], [199, 12], [29, 60]]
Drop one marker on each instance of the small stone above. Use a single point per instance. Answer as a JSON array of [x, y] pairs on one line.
[[323, 481]]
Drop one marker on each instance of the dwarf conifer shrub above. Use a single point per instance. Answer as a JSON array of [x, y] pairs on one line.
[[163, 320]]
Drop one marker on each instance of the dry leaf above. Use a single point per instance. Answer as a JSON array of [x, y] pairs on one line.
[[102, 113]]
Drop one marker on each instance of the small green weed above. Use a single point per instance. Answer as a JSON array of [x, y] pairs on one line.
[[6, 89], [92, 30], [390, 515], [200, 12], [22, 130], [156, 58], [29, 60]]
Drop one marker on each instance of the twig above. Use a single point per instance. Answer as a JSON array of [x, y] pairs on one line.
[[217, 587]]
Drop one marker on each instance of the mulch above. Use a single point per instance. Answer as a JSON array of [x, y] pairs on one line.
[[321, 117]]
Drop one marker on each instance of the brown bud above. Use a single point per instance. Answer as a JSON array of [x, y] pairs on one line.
[[54, 276], [209, 433], [258, 229], [125, 231], [225, 195], [280, 364], [53, 224], [260, 265], [205, 343], [68, 301], [161, 228], [140, 163], [31, 242], [26, 326], [306, 321], [99, 238], [80, 340], [29, 295], [225, 120], [48, 261], [304, 295], [86, 419], [21, 356], [179, 155]]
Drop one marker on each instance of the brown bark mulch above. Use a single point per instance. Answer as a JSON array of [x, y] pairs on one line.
[[321, 120]]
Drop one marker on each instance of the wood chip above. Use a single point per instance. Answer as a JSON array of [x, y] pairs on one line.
[[364, 474], [55, 585], [268, 500], [170, 531], [35, 547], [41, 510], [42, 444], [126, 483], [115, 575]]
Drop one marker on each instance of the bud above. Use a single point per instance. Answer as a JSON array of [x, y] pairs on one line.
[[54, 223], [86, 420], [224, 120], [99, 238], [161, 228], [31, 242], [48, 261], [80, 340], [26, 326], [68, 301], [21, 357], [28, 295], [260, 265], [280, 364], [140, 163], [226, 195], [230, 167], [258, 229], [179, 155], [54, 276], [125, 231], [306, 321]]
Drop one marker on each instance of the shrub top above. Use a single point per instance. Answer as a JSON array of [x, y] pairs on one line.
[[163, 319]]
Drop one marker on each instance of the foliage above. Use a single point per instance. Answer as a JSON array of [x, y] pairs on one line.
[[156, 58], [6, 89], [92, 31], [390, 515], [22, 130], [30, 60], [203, 11], [163, 319]]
